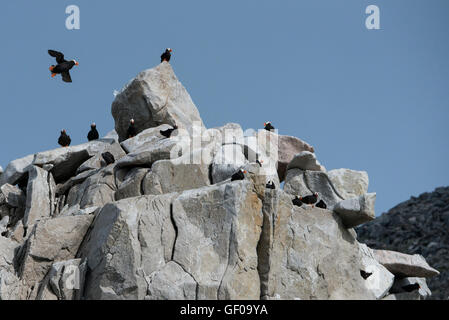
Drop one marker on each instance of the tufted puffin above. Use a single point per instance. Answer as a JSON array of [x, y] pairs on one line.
[[166, 55], [239, 175], [297, 201], [167, 133], [310, 199], [108, 157], [321, 204], [132, 132], [268, 126], [93, 133], [411, 287], [270, 185], [64, 140], [63, 67]]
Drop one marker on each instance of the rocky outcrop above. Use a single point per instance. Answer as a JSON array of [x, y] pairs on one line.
[[165, 221], [417, 226], [153, 98]]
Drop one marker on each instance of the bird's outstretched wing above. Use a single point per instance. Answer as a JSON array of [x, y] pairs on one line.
[[58, 55], [66, 76]]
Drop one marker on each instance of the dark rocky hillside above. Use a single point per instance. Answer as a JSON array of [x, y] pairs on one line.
[[419, 225]]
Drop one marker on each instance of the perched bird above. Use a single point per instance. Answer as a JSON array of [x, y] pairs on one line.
[[297, 201], [365, 275], [239, 175], [268, 126], [270, 185], [64, 140], [321, 204], [167, 133], [310, 199], [108, 157], [166, 55], [93, 133], [63, 67], [132, 132], [411, 287]]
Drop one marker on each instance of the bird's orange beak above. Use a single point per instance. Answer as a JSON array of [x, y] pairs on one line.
[[77, 64], [244, 171]]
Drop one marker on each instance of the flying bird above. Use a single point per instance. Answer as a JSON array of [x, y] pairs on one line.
[[166, 55], [321, 204], [297, 201], [268, 126], [270, 185], [239, 175], [64, 140], [108, 157], [132, 132], [167, 133], [63, 67], [93, 133], [310, 199]]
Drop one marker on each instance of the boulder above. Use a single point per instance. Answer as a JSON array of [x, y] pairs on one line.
[[168, 176], [38, 202], [305, 160], [51, 240], [153, 98], [130, 239], [16, 170], [10, 287], [112, 135], [288, 147], [356, 211], [399, 284], [230, 133], [64, 281], [13, 196], [132, 185], [306, 253], [97, 162], [144, 139], [414, 295], [405, 265], [299, 182], [228, 160], [218, 228], [349, 183]]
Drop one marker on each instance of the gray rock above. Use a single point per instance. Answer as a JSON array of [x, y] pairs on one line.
[[405, 265], [111, 135], [10, 287], [64, 281], [299, 182], [13, 196], [132, 185], [230, 133], [424, 291], [130, 239], [171, 282], [349, 183], [305, 160], [218, 229], [403, 296], [51, 240], [97, 162], [153, 98], [144, 139], [38, 204], [168, 176], [228, 160], [16, 170], [356, 211], [288, 147], [298, 256]]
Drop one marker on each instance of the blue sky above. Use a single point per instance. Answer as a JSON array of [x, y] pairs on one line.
[[374, 100]]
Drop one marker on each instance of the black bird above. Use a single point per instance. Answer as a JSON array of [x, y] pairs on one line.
[[167, 133], [108, 157], [310, 199], [297, 201], [268, 126], [239, 175], [270, 185], [166, 55], [93, 133], [411, 287], [259, 162], [365, 275], [132, 132], [64, 140], [63, 67], [321, 204]]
